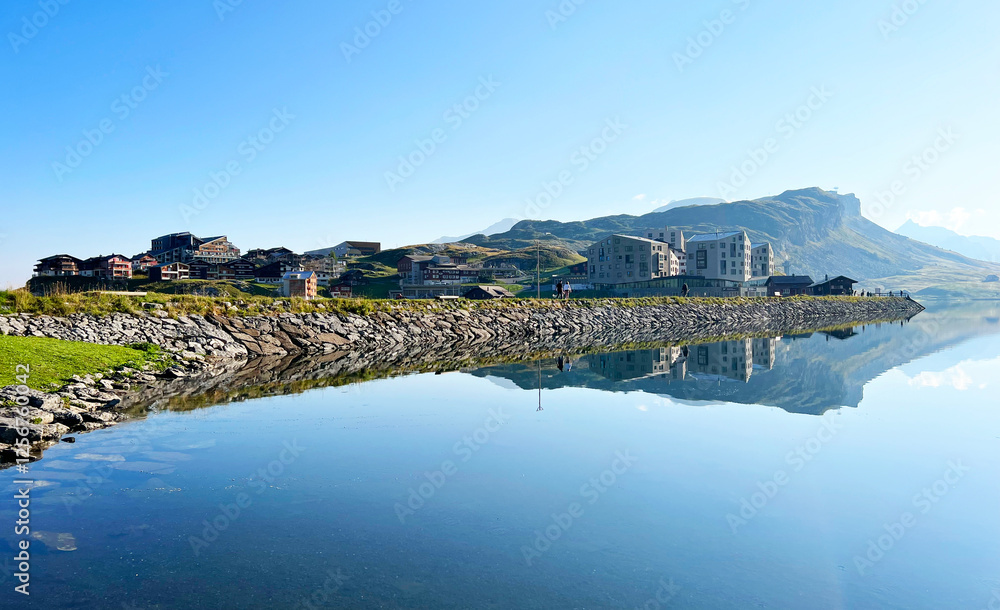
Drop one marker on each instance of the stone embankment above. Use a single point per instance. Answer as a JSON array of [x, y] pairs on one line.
[[493, 325]]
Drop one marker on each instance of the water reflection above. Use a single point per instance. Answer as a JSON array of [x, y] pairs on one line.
[[802, 373], [806, 372], [144, 512]]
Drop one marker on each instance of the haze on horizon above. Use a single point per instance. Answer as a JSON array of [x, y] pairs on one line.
[[281, 124]]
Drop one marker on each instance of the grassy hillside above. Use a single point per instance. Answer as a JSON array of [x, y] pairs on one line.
[[819, 232]]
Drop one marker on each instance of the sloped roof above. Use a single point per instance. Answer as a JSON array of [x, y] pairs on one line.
[[790, 279], [713, 236], [834, 279]]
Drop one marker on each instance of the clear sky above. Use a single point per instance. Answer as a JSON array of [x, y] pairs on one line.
[[117, 114]]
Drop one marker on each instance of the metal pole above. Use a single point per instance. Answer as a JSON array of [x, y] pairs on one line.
[[538, 267]]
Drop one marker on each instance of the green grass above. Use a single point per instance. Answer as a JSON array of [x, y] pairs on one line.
[[52, 362]]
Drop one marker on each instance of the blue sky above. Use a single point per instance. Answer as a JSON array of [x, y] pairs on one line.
[[300, 131]]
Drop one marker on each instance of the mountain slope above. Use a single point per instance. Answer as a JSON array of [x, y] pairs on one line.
[[498, 227], [686, 202], [982, 248], [817, 231]]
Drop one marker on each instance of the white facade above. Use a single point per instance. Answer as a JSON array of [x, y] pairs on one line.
[[761, 260], [619, 259], [721, 256]]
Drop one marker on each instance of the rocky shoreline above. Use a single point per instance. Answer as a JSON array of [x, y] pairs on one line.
[[490, 325], [213, 355]]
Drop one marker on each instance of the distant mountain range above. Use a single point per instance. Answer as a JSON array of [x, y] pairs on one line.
[[498, 227], [818, 232], [680, 203], [982, 248]]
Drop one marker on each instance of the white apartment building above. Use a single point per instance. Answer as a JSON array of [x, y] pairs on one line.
[[761, 260], [675, 239], [721, 256], [620, 259]]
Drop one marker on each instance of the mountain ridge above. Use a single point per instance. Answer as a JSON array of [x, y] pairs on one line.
[[974, 246], [819, 232]]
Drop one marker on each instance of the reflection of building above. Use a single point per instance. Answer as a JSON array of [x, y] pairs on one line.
[[639, 363], [732, 359], [763, 352]]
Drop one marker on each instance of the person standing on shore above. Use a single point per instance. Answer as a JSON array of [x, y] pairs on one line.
[[568, 288], [559, 290]]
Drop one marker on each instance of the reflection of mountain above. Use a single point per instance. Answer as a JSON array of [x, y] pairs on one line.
[[807, 373]]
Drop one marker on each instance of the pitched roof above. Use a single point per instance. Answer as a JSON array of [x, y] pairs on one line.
[[298, 275], [834, 279], [713, 236], [55, 256], [790, 279], [494, 291]]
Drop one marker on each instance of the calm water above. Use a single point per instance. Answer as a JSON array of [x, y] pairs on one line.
[[854, 469]]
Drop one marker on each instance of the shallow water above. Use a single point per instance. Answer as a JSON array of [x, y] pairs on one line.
[[853, 469]]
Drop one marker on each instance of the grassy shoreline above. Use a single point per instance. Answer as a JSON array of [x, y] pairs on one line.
[[53, 362], [22, 301]]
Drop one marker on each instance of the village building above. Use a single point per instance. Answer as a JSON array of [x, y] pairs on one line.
[[484, 293], [302, 284], [58, 266], [110, 267], [838, 286], [620, 259], [789, 285], [142, 262], [169, 272], [186, 248], [761, 260], [237, 270], [340, 291], [723, 256], [330, 265]]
